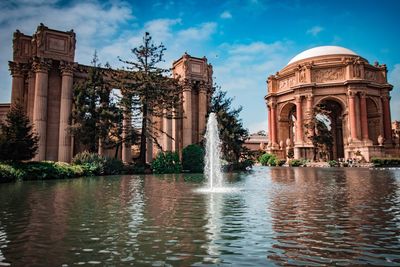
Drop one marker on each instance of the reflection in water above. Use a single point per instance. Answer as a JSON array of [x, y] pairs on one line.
[[281, 216]]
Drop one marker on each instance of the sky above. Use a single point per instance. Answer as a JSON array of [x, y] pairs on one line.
[[245, 41]]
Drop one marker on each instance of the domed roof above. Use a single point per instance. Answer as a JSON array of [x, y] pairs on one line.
[[322, 51]]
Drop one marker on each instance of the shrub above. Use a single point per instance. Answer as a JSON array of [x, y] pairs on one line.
[[273, 161], [333, 163], [94, 164], [9, 173], [166, 162], [263, 159], [381, 162], [193, 158], [295, 163]]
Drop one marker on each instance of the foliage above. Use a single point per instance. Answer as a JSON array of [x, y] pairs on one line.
[[95, 164], [18, 141], [382, 162], [242, 165], [9, 173], [193, 158], [166, 162], [333, 163], [318, 131], [95, 116], [148, 94], [231, 130], [296, 162], [273, 161], [263, 159]]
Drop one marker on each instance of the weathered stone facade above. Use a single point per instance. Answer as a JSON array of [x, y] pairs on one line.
[[357, 93], [44, 72]]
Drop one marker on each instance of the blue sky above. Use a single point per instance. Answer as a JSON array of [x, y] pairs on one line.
[[246, 41]]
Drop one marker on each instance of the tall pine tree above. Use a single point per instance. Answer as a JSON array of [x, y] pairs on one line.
[[18, 141], [148, 94]]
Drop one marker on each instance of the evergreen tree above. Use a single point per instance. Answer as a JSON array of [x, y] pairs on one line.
[[147, 93], [95, 117], [231, 130], [18, 141]]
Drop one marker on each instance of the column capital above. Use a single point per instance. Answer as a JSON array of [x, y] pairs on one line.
[[309, 97], [16, 69], [297, 98], [385, 97], [351, 93], [67, 68], [41, 65], [363, 94]]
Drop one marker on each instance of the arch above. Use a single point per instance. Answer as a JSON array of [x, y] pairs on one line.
[[374, 120], [338, 100], [286, 123]]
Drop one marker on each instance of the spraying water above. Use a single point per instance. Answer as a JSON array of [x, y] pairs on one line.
[[212, 168]]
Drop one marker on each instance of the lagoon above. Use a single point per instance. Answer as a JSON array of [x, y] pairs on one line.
[[274, 216]]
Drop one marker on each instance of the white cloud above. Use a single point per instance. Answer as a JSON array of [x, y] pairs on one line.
[[314, 31], [242, 70], [226, 15]]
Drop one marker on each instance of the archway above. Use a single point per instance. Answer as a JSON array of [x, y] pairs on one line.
[[333, 119], [286, 123]]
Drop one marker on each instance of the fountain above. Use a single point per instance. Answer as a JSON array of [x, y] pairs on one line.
[[212, 159]]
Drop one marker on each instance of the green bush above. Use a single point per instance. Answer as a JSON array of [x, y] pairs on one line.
[[263, 159], [383, 162], [193, 158], [9, 173], [94, 164], [333, 163], [166, 162], [273, 161], [295, 163]]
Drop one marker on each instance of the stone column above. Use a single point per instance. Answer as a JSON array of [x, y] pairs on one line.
[[352, 115], [167, 128], [299, 120], [310, 103], [175, 130], [364, 116], [17, 92], [41, 68], [187, 115], [126, 145], [31, 94], [269, 126], [64, 141], [274, 139], [202, 110], [387, 125]]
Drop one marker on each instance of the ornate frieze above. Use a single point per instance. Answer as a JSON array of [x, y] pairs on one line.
[[287, 83], [371, 75], [328, 75]]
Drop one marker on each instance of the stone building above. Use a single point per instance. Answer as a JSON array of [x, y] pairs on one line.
[[44, 72], [356, 92]]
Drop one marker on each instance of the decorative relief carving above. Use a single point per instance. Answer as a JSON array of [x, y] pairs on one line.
[[15, 68], [287, 83], [41, 65], [67, 68], [327, 75], [371, 75]]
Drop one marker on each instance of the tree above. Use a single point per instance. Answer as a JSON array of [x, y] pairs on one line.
[[231, 130], [318, 131], [147, 93], [18, 141], [95, 117]]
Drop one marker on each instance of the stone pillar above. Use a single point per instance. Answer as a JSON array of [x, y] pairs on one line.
[[17, 92], [149, 150], [31, 94], [126, 145], [352, 115], [41, 68], [187, 115], [64, 141], [274, 138], [269, 126], [364, 117], [175, 130], [202, 109], [387, 125], [299, 120], [310, 103], [167, 129]]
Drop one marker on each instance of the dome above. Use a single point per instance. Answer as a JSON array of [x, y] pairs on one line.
[[322, 51]]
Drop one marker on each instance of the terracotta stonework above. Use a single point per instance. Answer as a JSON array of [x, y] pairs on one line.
[[43, 75], [357, 92]]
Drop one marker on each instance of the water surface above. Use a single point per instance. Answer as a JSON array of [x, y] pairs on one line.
[[277, 216]]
